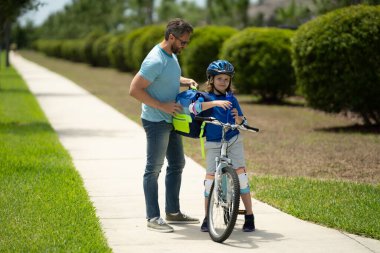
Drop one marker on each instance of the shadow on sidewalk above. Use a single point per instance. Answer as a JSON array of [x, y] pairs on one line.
[[237, 239]]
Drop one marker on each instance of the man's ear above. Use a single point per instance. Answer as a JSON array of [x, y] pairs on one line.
[[171, 37]]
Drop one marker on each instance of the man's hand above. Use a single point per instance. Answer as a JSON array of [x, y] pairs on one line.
[[170, 108], [189, 82]]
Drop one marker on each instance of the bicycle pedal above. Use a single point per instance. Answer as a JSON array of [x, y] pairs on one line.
[[242, 212]]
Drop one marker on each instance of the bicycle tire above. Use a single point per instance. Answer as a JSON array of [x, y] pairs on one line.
[[222, 214]]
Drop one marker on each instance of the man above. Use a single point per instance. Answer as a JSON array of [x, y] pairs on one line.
[[156, 85]]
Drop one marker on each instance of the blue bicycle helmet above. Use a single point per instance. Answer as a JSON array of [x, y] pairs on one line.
[[220, 67]]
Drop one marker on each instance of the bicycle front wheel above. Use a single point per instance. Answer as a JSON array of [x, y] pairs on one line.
[[223, 205]]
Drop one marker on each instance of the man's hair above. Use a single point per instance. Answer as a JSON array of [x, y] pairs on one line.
[[177, 27]]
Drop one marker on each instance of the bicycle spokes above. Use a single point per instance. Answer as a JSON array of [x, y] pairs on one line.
[[223, 206]]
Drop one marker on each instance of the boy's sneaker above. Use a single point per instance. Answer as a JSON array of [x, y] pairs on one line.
[[180, 218], [159, 225], [204, 227], [249, 224]]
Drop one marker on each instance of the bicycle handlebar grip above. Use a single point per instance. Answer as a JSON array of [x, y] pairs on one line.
[[252, 128], [204, 118]]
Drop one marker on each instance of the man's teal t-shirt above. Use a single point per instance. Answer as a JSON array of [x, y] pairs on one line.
[[163, 72]]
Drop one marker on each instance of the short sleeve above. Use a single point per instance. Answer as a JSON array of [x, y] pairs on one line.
[[151, 69]]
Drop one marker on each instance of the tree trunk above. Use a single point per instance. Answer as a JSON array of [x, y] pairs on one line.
[[245, 18], [209, 11], [149, 12], [7, 35], [1, 49]]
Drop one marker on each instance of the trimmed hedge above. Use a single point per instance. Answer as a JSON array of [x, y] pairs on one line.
[[262, 60], [150, 36], [70, 50], [86, 50], [115, 52], [337, 61], [49, 47], [99, 51], [128, 45], [204, 47]]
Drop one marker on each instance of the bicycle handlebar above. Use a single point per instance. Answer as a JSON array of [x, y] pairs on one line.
[[214, 121]]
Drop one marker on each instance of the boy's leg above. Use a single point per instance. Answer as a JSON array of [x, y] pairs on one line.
[[207, 184], [212, 151], [245, 194], [245, 190]]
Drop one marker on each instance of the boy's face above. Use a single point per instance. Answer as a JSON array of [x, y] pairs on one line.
[[221, 82]]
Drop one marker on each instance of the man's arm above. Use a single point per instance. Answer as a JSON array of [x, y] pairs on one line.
[[137, 90]]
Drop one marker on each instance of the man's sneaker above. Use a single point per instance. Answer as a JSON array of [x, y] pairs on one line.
[[180, 218], [204, 227], [249, 224], [159, 225]]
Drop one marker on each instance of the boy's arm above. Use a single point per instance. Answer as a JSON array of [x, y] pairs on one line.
[[237, 113], [238, 119], [199, 106]]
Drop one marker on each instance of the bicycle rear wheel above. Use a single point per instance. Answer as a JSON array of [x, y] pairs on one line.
[[223, 205]]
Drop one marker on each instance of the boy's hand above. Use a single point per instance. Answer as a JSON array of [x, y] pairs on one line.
[[222, 103], [238, 119]]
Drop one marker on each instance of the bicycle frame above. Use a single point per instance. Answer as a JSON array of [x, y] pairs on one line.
[[222, 161]]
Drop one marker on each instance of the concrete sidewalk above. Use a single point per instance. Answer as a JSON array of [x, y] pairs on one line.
[[108, 150]]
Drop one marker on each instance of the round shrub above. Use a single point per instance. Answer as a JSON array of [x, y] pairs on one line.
[[99, 51], [337, 61], [115, 52], [150, 36], [70, 50], [262, 60], [86, 50], [204, 47], [128, 45], [50, 47]]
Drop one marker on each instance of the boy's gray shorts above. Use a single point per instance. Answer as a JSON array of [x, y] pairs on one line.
[[235, 151]]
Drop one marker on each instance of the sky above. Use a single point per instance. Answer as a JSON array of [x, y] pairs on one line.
[[52, 6]]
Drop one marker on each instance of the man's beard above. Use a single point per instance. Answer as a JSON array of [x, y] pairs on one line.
[[175, 49]]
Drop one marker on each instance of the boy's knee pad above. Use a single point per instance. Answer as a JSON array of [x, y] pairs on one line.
[[208, 184], [244, 184]]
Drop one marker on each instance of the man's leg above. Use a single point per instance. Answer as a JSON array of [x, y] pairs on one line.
[[176, 163], [157, 142]]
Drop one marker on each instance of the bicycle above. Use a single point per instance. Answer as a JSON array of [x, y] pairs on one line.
[[224, 198]]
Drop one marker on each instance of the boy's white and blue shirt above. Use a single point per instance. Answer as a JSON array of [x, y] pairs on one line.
[[214, 132], [163, 72]]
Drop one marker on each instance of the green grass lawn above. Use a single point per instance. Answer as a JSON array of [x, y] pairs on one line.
[[43, 204], [347, 206], [316, 166]]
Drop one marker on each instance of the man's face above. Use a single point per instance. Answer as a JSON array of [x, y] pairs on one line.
[[179, 43]]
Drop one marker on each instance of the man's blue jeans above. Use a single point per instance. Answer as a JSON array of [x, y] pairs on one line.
[[162, 142]]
